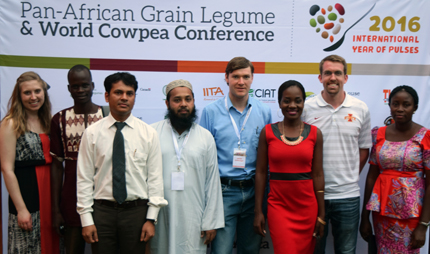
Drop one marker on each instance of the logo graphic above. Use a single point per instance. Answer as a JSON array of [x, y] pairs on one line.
[[389, 120], [309, 94], [386, 95], [350, 118], [212, 93], [354, 93], [264, 95], [164, 92], [327, 20]]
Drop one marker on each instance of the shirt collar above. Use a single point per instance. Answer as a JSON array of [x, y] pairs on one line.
[[230, 105], [347, 102], [129, 121]]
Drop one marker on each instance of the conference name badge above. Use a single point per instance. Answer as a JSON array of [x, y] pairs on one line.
[[239, 158], [178, 181]]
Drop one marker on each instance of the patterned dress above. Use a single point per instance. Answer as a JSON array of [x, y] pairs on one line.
[[397, 196], [32, 170]]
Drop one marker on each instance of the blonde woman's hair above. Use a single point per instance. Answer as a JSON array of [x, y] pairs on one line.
[[16, 110]]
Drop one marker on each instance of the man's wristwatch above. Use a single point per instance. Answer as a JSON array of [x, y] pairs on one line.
[[151, 220], [425, 224]]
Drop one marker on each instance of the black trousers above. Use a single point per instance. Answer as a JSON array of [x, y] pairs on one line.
[[119, 229]]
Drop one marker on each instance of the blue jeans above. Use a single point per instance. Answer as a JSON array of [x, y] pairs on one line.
[[239, 217], [344, 216]]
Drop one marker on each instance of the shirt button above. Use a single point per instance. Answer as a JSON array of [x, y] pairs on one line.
[[244, 142]]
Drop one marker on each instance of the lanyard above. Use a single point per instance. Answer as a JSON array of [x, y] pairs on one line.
[[234, 123], [175, 143]]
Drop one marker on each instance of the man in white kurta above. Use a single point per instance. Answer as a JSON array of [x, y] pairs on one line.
[[195, 206]]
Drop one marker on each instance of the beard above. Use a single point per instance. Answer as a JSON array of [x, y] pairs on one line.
[[181, 122]]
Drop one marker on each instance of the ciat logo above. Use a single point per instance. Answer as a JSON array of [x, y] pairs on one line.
[[264, 95], [212, 93], [386, 95]]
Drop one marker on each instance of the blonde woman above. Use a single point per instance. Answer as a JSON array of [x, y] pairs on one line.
[[25, 164]]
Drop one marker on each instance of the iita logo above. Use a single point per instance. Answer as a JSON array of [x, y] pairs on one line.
[[386, 95], [212, 93], [328, 22]]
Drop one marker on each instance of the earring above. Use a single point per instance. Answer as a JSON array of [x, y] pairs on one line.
[[414, 112], [277, 113]]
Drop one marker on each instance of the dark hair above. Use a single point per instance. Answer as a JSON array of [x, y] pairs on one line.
[[125, 77], [407, 89], [288, 84], [336, 59], [78, 68], [238, 63]]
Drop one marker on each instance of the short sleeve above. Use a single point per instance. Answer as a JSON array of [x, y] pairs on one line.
[[372, 159], [364, 136], [425, 143]]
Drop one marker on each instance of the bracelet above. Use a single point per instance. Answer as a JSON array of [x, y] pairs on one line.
[[322, 221], [320, 191]]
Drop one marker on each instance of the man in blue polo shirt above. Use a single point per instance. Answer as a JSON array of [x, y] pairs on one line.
[[235, 121]]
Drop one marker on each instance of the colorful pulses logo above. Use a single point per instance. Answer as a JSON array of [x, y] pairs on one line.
[[328, 22]]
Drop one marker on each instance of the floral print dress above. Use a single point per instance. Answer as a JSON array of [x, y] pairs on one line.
[[397, 196]]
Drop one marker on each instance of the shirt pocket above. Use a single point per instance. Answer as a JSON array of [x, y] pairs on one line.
[[138, 160], [256, 138]]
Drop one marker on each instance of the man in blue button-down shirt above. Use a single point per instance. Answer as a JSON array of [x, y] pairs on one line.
[[235, 121]]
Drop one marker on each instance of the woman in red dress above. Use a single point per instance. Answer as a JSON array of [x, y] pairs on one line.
[[26, 167], [293, 151]]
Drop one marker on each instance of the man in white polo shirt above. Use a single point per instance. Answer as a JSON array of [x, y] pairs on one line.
[[345, 123]]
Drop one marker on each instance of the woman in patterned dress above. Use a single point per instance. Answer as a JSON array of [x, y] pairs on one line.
[[25, 164], [397, 186]]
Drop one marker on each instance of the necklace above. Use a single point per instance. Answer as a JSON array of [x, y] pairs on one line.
[[292, 143]]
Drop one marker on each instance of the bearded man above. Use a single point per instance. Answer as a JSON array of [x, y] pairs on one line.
[[191, 178]]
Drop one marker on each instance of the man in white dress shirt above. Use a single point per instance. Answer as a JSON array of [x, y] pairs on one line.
[[191, 178], [121, 222]]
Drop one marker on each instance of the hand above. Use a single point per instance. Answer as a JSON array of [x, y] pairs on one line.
[[148, 231], [319, 230], [57, 221], [90, 234], [210, 235], [365, 229], [418, 238], [24, 220], [260, 224]]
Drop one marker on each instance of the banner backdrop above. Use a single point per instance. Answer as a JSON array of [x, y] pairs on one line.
[[384, 42]]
